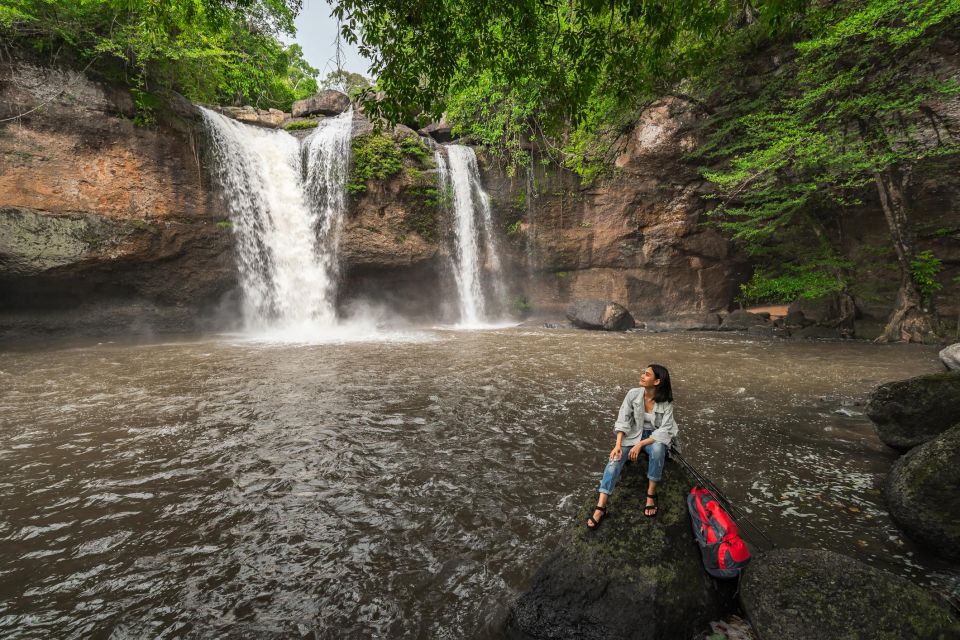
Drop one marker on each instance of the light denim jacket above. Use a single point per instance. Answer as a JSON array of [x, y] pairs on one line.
[[630, 420]]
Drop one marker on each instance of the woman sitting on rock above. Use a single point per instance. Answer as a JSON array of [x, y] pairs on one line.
[[645, 422]]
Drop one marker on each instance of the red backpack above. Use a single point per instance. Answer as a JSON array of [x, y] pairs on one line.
[[724, 552]]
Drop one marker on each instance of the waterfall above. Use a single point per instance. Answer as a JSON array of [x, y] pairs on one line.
[[476, 262], [286, 203]]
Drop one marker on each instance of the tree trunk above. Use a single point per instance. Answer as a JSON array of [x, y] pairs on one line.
[[909, 321]]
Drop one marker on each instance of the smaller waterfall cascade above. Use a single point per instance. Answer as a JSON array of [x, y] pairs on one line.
[[477, 267], [286, 203]]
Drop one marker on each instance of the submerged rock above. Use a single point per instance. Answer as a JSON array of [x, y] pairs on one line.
[[599, 314], [950, 356], [816, 332], [910, 412], [922, 493], [796, 594], [698, 322], [634, 577], [740, 320]]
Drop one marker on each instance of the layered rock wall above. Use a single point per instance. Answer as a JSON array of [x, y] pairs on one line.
[[639, 238], [97, 213]]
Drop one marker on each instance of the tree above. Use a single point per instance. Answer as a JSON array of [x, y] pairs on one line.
[[352, 84], [857, 109], [573, 52], [209, 50]]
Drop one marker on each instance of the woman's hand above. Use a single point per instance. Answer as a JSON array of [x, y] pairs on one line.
[[616, 453], [635, 451]]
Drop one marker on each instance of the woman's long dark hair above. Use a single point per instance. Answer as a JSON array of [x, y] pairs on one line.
[[664, 392]]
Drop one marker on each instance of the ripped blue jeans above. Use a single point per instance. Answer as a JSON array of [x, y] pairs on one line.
[[656, 454]]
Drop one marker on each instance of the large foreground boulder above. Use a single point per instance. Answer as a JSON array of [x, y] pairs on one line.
[[950, 356], [913, 411], [923, 493], [634, 577], [797, 594], [599, 314], [328, 102]]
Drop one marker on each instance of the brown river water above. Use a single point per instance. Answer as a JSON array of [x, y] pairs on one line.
[[405, 487]]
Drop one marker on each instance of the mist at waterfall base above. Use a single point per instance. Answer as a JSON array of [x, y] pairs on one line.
[[287, 202]]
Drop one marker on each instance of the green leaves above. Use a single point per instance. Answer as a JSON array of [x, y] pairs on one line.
[[847, 108], [925, 268], [208, 50], [374, 156]]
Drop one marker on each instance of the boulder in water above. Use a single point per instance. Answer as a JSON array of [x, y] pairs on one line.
[[950, 356], [796, 320], [633, 577], [796, 594], [913, 411], [922, 493], [740, 320], [328, 102], [698, 322], [599, 314]]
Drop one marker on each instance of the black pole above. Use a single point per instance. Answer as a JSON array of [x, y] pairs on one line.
[[719, 495]]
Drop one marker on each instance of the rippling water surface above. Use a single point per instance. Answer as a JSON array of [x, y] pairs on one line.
[[224, 488]]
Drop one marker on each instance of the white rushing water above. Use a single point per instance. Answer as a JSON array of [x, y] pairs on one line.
[[286, 203], [477, 268]]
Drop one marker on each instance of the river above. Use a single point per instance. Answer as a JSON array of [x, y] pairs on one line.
[[409, 485]]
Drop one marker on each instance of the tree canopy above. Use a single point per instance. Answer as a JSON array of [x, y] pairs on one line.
[[854, 111], [223, 51], [847, 114]]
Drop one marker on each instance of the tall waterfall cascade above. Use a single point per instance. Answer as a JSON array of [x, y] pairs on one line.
[[287, 202], [476, 261]]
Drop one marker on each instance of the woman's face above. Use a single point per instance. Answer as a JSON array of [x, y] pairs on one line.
[[647, 379]]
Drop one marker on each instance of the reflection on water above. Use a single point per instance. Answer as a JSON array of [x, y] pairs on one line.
[[226, 487]]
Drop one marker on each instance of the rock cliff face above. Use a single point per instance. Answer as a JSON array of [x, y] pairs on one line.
[[98, 213], [638, 239], [104, 226]]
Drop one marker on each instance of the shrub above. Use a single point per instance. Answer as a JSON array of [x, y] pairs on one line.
[[375, 157]]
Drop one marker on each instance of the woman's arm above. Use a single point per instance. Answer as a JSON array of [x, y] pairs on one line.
[[617, 448], [667, 430]]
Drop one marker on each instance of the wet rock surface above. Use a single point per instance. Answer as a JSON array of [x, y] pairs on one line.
[[599, 315], [700, 322], [796, 594], [910, 412], [740, 320], [92, 274], [271, 118], [923, 493], [634, 577], [439, 131]]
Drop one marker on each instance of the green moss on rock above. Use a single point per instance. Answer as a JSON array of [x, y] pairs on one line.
[[913, 411], [922, 493], [794, 594], [632, 577], [375, 156]]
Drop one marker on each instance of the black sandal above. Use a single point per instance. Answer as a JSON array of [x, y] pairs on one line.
[[596, 523], [654, 506]]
